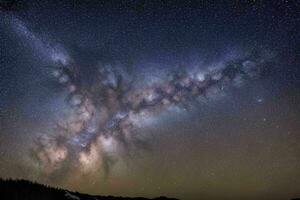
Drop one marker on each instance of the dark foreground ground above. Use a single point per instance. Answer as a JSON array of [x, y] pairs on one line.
[[26, 190]]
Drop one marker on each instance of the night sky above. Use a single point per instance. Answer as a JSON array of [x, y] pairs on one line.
[[193, 100]]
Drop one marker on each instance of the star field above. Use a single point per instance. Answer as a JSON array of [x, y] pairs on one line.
[[193, 100]]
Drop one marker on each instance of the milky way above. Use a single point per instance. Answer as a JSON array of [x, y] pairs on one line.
[[107, 105], [186, 99]]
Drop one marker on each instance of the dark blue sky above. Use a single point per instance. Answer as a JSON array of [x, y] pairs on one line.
[[238, 137]]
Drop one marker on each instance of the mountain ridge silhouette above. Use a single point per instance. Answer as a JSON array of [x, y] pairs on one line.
[[26, 190]]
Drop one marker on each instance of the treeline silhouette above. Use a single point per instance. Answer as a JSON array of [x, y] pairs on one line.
[[26, 190]]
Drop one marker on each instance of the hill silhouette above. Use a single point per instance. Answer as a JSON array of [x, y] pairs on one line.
[[26, 190]]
